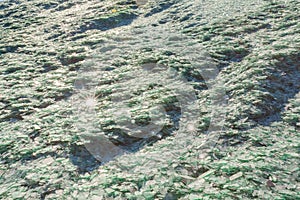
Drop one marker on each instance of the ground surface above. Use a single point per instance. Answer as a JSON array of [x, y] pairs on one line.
[[225, 75]]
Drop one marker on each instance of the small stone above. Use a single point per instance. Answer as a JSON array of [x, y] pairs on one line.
[[270, 183]]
